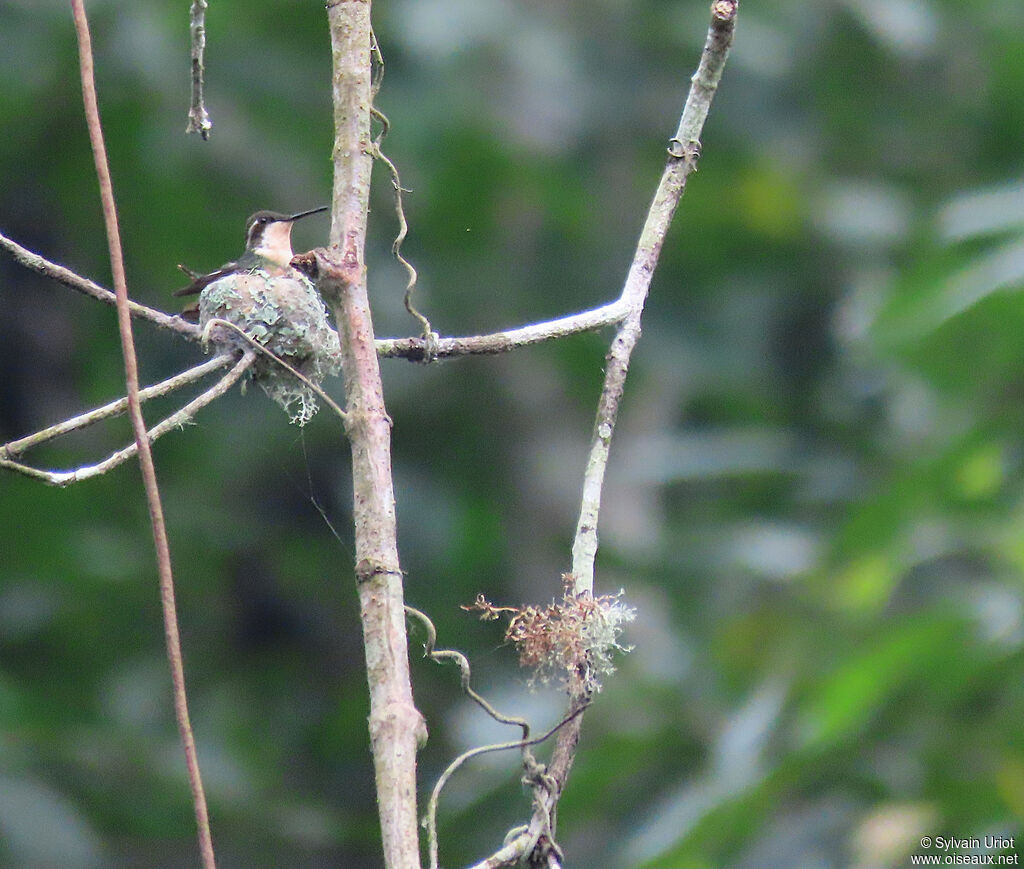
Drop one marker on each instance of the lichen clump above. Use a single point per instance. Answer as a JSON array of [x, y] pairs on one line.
[[287, 316], [571, 641]]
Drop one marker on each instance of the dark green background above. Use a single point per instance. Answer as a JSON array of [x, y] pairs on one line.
[[816, 498]]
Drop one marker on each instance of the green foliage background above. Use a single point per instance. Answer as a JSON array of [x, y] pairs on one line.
[[817, 494]]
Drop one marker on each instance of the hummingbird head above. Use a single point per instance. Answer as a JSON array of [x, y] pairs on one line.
[[269, 234]]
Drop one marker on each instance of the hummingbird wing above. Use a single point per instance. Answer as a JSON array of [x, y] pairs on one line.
[[201, 281]]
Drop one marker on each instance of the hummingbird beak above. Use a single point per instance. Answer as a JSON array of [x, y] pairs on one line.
[[295, 217]]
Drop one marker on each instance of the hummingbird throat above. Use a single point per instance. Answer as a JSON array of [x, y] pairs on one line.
[[275, 244]]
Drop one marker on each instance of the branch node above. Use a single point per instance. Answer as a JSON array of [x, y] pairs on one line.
[[366, 570], [688, 151]]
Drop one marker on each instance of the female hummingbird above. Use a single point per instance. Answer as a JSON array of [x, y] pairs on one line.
[[275, 306], [268, 246]]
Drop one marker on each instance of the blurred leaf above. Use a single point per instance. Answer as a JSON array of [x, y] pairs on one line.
[[850, 697], [993, 211], [947, 286]]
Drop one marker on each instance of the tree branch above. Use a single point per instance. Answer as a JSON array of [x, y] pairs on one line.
[[416, 349], [198, 118], [67, 277], [396, 726], [684, 150], [114, 408], [175, 420]]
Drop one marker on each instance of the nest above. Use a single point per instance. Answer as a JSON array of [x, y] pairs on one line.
[[287, 316]]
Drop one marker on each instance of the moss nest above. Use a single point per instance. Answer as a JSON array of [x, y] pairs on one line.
[[287, 316]]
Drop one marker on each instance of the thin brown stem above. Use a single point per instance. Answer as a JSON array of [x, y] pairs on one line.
[[403, 231], [439, 656], [452, 767], [163, 554]]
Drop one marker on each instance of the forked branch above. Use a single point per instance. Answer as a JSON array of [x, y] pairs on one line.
[[395, 724], [683, 153], [176, 420]]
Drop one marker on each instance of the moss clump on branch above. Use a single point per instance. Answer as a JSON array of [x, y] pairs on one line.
[[571, 641]]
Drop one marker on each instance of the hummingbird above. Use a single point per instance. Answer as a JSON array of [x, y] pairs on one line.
[[273, 305], [268, 247]]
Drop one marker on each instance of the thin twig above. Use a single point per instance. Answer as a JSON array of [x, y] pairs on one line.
[[684, 150], [431, 651], [124, 322], [403, 231], [439, 656], [115, 408], [175, 420], [65, 276], [198, 118], [376, 78], [298, 375], [476, 752]]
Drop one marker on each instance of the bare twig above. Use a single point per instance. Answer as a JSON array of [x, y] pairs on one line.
[[15, 448], [259, 348], [124, 322], [377, 65], [439, 656], [198, 118], [487, 749], [501, 342], [536, 841], [684, 150], [396, 726], [376, 77], [67, 277], [175, 420], [403, 231]]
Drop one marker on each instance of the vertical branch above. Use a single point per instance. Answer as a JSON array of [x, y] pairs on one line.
[[156, 516], [396, 726], [683, 153]]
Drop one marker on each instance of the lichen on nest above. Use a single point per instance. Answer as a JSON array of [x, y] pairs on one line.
[[287, 316]]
